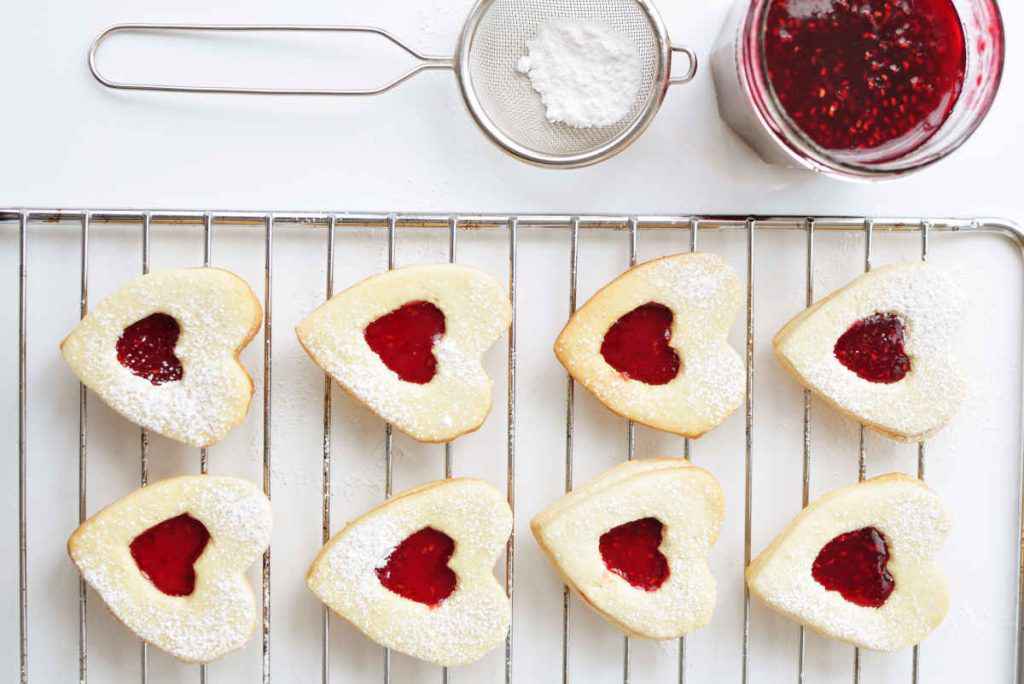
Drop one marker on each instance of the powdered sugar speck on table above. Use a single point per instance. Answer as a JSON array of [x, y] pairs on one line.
[[586, 73]]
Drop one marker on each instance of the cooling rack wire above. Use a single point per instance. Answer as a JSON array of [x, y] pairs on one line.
[[392, 224]]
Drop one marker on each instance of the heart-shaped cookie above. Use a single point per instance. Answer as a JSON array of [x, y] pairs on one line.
[[416, 574], [163, 352], [169, 561], [408, 343], [652, 346], [634, 543], [858, 564], [881, 350]]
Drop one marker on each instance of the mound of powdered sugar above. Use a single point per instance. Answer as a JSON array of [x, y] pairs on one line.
[[587, 74]]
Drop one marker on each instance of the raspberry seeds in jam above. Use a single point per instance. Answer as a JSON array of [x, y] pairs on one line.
[[854, 564], [146, 348], [866, 75], [873, 348]]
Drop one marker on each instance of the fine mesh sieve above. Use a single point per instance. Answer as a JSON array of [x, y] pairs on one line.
[[501, 100]]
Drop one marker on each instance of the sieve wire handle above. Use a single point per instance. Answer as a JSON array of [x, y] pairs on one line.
[[691, 71], [424, 62]]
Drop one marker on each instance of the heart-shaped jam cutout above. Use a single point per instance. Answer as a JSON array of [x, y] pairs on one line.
[[637, 345], [404, 340], [873, 349], [418, 568], [854, 565], [631, 552], [146, 348], [166, 553]]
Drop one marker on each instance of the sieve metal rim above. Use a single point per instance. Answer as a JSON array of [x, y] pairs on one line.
[[629, 135]]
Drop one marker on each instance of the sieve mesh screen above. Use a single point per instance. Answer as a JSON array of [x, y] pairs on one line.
[[506, 96]]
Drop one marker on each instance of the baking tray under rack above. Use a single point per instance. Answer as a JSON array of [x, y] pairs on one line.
[[458, 227]]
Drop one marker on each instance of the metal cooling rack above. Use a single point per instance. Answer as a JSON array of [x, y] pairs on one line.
[[392, 224]]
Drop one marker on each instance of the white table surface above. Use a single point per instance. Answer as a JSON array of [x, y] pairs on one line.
[[68, 142]]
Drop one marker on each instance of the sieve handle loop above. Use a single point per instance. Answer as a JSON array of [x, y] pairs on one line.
[[423, 62], [691, 71]]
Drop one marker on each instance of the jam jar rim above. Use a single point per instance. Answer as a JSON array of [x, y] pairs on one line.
[[751, 58]]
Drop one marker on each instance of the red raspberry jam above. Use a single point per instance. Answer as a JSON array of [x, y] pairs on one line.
[[418, 568], [858, 74], [404, 340], [165, 553], [873, 349], [854, 565], [637, 345], [146, 348], [631, 552]]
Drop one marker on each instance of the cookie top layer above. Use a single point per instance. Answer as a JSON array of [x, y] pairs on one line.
[[931, 309], [704, 296], [458, 397], [914, 524], [220, 614], [686, 500], [218, 315], [467, 623]]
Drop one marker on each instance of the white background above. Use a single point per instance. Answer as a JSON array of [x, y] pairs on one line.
[[68, 142]]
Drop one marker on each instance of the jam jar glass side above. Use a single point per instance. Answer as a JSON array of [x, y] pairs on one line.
[[748, 104]]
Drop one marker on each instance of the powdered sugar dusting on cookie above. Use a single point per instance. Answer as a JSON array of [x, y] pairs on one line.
[[686, 500], [704, 296], [914, 524], [465, 625], [237, 512], [217, 314], [220, 615], [931, 308], [702, 281], [458, 398]]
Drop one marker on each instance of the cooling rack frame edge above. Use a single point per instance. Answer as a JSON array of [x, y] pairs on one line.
[[454, 222]]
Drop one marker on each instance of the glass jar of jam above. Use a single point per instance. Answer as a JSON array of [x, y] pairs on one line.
[[858, 89]]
